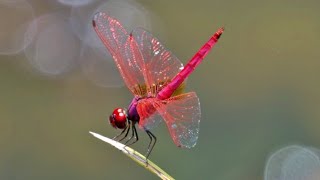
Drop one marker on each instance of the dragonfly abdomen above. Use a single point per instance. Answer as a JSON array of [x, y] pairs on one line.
[[190, 67]]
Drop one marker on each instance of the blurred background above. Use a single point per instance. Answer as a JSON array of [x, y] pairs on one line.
[[259, 88]]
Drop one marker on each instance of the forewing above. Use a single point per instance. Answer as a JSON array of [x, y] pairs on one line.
[[149, 116], [123, 49], [182, 115], [160, 64]]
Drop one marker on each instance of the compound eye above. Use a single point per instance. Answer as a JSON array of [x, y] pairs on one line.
[[119, 118], [112, 121]]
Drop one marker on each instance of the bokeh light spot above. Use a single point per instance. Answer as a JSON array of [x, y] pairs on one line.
[[15, 16], [293, 163], [55, 49], [75, 2]]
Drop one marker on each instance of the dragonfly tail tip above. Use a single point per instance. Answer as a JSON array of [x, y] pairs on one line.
[[218, 33]]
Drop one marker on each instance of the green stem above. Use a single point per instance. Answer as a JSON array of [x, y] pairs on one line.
[[136, 156]]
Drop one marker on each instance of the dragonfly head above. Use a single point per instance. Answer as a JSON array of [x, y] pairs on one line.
[[118, 118]]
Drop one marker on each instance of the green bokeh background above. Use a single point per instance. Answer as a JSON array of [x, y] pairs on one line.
[[259, 91]]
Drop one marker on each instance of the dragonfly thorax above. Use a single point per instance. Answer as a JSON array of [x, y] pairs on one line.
[[118, 118]]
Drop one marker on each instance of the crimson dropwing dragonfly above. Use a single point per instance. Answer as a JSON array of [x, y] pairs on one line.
[[156, 79]]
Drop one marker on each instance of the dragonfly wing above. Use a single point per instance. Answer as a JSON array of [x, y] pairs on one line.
[[182, 116], [149, 116], [160, 63], [123, 49]]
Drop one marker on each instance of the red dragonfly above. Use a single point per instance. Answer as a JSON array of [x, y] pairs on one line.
[[156, 78]]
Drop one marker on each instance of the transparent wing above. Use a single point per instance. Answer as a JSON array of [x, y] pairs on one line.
[[182, 115], [149, 116], [123, 49], [160, 64]]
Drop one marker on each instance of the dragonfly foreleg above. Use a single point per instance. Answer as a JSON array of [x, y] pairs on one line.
[[114, 138], [127, 132]]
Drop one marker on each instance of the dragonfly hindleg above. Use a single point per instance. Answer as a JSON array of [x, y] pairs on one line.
[[153, 139]]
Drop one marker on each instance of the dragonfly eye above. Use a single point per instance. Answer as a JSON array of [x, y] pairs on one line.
[[112, 121], [118, 118]]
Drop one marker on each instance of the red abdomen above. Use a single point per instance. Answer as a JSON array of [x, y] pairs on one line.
[[190, 66]]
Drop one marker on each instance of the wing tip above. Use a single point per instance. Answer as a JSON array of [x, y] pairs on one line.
[[186, 146], [95, 17]]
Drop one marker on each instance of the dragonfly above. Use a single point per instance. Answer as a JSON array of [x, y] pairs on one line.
[[156, 78]]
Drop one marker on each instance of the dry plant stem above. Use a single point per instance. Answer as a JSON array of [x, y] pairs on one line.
[[136, 156]]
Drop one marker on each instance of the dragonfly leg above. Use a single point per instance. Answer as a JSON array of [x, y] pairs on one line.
[[126, 133], [114, 138], [151, 145], [134, 134]]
